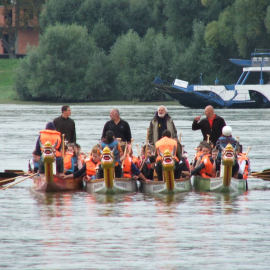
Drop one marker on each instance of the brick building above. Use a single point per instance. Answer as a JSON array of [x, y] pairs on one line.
[[27, 35]]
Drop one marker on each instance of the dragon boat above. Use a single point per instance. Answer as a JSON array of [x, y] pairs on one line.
[[51, 182], [169, 185], [225, 183], [109, 184]]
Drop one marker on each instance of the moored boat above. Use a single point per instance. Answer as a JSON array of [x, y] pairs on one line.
[[225, 183], [239, 95], [51, 182]]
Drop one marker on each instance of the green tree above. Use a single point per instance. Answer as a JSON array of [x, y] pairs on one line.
[[56, 68], [250, 31], [64, 11]]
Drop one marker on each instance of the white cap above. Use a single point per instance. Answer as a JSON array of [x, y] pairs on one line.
[[227, 131]]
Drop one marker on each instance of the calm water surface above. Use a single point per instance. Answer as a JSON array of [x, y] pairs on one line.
[[134, 231]]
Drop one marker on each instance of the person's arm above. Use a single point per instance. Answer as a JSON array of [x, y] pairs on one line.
[[198, 169], [128, 133], [74, 132], [196, 125], [105, 129], [38, 147], [174, 131], [151, 134], [138, 173]]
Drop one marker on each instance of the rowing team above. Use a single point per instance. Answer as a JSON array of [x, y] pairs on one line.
[[206, 162]]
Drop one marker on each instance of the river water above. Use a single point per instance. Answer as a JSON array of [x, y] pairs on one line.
[[78, 230]]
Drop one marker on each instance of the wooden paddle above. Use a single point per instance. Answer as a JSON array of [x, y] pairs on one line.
[[139, 153], [25, 178], [180, 137], [9, 179], [10, 174], [14, 171], [125, 152], [208, 138], [146, 148]]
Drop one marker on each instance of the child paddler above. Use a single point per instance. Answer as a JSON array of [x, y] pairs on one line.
[[129, 168], [90, 167], [114, 145], [205, 168]]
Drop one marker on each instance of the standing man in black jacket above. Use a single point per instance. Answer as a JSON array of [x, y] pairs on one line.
[[212, 125], [118, 126], [65, 125]]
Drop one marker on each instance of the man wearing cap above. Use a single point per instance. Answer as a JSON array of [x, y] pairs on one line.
[[54, 137], [212, 125]]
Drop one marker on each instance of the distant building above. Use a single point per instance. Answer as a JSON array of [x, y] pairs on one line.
[[26, 35]]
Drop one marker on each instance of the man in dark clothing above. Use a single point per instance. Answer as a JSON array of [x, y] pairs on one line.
[[119, 127], [212, 125], [65, 125], [158, 124]]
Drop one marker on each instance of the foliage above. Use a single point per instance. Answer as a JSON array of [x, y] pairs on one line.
[[55, 70], [96, 50]]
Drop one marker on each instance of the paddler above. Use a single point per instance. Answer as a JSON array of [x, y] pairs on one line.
[[166, 142], [129, 168], [114, 145], [33, 164], [92, 164], [54, 137]]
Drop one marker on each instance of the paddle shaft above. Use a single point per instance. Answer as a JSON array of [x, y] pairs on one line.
[[139, 152], [146, 148], [10, 179], [13, 184]]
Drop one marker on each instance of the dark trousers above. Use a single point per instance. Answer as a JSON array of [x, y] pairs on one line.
[[177, 170], [59, 165], [117, 170]]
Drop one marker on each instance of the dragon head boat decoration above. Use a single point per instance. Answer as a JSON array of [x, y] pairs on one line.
[[168, 167], [48, 154], [228, 159], [107, 162]]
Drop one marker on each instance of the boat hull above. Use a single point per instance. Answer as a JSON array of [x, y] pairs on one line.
[[216, 184], [120, 185], [180, 185], [59, 184]]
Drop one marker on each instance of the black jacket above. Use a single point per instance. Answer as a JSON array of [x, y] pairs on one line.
[[204, 126]]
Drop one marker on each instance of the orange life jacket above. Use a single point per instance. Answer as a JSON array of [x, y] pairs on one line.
[[127, 167], [207, 170], [52, 136], [91, 166], [68, 161], [166, 143], [242, 157]]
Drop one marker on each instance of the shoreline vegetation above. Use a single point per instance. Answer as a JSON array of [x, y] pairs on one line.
[[8, 95]]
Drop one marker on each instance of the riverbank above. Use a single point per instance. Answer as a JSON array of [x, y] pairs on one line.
[[8, 96]]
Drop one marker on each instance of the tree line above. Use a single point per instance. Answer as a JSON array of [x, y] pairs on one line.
[[99, 50]]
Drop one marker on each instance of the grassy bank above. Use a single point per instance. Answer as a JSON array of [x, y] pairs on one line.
[[8, 96], [7, 68]]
